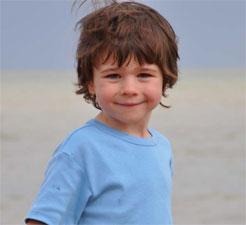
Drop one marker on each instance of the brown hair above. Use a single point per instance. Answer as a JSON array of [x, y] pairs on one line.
[[122, 30]]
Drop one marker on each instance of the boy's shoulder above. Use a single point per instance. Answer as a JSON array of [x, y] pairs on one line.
[[77, 139], [161, 137], [84, 130]]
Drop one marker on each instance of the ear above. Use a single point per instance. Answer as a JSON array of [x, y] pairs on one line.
[[91, 88]]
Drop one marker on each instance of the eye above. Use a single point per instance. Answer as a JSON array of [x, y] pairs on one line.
[[113, 76], [145, 75]]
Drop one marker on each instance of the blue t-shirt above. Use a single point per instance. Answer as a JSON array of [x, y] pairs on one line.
[[102, 176]]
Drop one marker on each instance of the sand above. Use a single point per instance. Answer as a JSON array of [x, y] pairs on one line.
[[206, 125]]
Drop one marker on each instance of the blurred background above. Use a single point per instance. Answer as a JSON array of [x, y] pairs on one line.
[[206, 124]]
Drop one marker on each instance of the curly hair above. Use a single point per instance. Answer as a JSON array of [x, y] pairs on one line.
[[120, 30]]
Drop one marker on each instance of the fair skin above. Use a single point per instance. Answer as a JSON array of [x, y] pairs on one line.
[[127, 95], [34, 222]]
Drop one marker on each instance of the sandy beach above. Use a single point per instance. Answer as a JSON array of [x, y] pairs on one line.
[[206, 126]]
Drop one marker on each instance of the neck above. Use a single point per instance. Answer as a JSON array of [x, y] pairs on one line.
[[136, 129]]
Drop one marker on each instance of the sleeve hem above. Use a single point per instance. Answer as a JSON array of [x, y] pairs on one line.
[[38, 216]]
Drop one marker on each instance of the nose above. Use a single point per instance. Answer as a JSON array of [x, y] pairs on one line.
[[129, 86]]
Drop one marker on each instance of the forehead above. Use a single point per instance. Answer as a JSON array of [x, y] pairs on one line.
[[131, 63]]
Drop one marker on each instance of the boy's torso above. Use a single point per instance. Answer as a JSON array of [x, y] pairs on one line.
[[128, 178]]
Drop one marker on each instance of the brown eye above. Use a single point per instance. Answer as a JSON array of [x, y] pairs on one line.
[[113, 76], [145, 75]]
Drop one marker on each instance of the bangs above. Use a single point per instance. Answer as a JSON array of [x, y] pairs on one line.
[[123, 52]]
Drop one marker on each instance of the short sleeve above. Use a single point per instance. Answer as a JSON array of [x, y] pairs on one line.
[[63, 194]]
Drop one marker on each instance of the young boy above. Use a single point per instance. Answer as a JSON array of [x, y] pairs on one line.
[[114, 169]]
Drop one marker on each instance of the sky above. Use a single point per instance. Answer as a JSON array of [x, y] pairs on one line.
[[40, 34]]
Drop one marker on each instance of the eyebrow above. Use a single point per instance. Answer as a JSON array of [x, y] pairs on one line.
[[142, 69], [110, 69], [149, 69]]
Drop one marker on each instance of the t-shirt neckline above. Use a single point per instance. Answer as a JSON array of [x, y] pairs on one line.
[[149, 141]]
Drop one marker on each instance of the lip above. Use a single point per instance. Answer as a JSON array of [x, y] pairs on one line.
[[128, 104]]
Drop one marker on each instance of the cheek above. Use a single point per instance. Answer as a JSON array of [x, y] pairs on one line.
[[154, 93], [103, 95], [156, 98]]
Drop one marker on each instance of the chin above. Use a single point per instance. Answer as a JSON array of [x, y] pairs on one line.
[[131, 120]]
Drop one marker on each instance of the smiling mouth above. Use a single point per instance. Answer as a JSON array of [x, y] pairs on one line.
[[128, 104]]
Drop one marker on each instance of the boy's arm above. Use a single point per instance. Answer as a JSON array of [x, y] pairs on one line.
[[34, 222]]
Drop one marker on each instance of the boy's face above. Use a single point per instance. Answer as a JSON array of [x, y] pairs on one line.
[[126, 94]]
